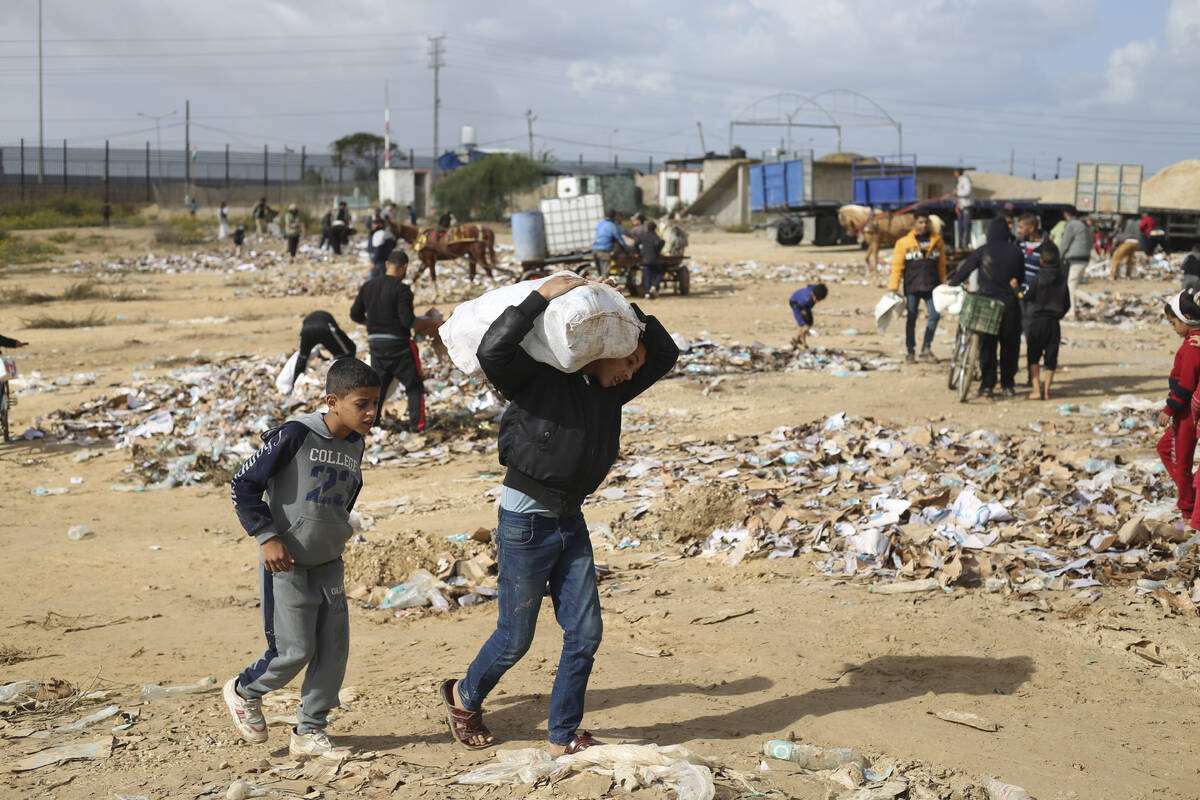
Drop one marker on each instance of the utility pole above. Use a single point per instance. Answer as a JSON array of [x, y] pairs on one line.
[[610, 135], [283, 181], [700, 128], [1057, 166], [1012, 158], [41, 129], [158, 135], [436, 51], [529, 119], [387, 128]]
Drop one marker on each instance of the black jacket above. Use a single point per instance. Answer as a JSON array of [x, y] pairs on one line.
[[561, 432], [1048, 296], [385, 305], [998, 262], [649, 244]]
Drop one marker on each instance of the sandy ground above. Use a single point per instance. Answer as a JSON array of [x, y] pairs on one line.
[[829, 663]]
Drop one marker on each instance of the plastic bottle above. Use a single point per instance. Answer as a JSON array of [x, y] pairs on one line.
[[77, 532], [810, 757], [998, 790], [155, 692], [413, 592], [438, 601]]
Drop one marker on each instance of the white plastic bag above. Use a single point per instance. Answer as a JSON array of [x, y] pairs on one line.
[[284, 381], [630, 765], [586, 323], [948, 299], [888, 307]]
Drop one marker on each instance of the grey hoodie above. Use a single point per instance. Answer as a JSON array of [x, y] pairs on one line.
[[311, 479]]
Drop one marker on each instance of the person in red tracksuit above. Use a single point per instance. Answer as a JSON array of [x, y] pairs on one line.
[[1177, 448]]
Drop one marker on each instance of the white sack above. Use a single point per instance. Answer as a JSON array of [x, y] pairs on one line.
[[283, 381], [586, 323], [948, 299]]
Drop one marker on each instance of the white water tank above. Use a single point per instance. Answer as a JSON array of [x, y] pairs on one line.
[[468, 136]]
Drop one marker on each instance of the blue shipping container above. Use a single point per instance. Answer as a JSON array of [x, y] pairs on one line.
[[777, 187], [891, 191]]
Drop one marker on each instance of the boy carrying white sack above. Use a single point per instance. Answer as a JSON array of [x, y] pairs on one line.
[[559, 437]]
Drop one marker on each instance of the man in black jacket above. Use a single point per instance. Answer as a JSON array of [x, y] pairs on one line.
[[559, 437], [320, 328], [385, 306], [999, 262]]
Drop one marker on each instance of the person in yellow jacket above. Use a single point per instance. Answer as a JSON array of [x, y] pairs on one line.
[[920, 259]]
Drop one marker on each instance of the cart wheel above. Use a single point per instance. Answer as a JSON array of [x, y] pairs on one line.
[[683, 280], [967, 372], [789, 233], [633, 281]]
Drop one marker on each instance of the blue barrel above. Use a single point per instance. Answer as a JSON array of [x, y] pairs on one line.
[[529, 235]]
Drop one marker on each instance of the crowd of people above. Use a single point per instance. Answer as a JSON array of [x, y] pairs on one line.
[[1036, 275]]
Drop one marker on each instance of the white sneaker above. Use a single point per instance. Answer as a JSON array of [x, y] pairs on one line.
[[247, 714], [317, 744]]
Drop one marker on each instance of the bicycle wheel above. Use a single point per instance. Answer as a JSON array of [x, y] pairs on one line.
[[4, 409], [956, 355], [967, 374]]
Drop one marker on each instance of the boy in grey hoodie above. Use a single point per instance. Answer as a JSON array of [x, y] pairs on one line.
[[309, 470]]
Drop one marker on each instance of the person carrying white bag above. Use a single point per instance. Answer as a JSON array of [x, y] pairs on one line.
[[559, 437], [591, 323]]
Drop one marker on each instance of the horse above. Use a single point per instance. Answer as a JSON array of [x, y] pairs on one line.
[[474, 242], [879, 229]]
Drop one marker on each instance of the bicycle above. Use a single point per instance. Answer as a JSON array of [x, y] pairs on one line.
[[979, 315]]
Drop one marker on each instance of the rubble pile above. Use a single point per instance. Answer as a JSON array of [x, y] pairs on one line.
[[926, 508], [197, 423], [705, 357]]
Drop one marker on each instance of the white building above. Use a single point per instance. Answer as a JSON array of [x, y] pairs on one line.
[[405, 187], [678, 187]]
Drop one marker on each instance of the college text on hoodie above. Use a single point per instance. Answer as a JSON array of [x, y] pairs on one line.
[[998, 262], [310, 479], [561, 432], [921, 260]]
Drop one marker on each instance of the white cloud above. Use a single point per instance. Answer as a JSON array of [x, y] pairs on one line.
[[1126, 65], [1183, 32]]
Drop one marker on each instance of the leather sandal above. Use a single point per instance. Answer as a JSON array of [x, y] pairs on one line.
[[464, 725], [581, 741]]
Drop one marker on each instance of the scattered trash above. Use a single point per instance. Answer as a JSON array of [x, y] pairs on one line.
[[811, 757], [77, 532], [155, 692], [998, 790], [90, 719], [968, 719], [98, 748], [629, 766]]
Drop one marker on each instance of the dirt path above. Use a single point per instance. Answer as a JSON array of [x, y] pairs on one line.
[[1080, 716]]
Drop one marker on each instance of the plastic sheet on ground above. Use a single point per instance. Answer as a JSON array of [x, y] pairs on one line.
[[629, 765]]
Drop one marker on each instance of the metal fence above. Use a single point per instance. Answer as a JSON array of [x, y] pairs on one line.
[[149, 175]]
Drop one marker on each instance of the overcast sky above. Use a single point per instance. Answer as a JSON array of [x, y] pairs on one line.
[[969, 81]]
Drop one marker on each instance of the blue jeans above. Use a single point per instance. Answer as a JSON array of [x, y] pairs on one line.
[[963, 225], [652, 275], [536, 552], [910, 323], [378, 268]]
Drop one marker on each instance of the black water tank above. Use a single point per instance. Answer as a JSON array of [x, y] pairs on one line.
[[737, 152]]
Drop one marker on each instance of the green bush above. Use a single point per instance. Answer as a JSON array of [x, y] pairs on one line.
[[183, 229], [63, 211], [19, 250], [484, 189]]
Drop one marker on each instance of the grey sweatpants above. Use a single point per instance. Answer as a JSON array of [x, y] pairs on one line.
[[306, 621]]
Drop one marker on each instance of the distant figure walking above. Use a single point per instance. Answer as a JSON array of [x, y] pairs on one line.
[[261, 215], [964, 193], [222, 222]]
